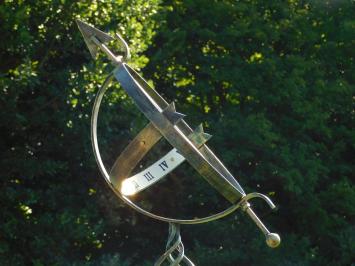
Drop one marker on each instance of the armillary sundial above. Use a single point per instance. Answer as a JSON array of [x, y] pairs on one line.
[[189, 145]]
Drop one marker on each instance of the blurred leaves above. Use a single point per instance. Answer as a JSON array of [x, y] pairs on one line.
[[271, 80], [275, 79], [48, 81]]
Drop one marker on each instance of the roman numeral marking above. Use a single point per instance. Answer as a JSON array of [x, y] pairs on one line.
[[148, 176], [163, 165]]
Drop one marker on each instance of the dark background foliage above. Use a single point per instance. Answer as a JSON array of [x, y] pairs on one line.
[[271, 80]]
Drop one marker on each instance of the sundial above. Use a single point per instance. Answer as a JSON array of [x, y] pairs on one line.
[[188, 145]]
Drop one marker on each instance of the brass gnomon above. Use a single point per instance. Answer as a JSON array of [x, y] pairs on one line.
[[189, 145]]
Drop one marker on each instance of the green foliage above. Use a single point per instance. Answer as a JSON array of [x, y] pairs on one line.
[[273, 81], [52, 201]]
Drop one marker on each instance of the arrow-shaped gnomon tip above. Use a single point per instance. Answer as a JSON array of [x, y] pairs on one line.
[[88, 32]]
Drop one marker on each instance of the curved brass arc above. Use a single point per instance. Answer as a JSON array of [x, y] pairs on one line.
[[272, 239], [259, 195], [133, 154], [104, 172]]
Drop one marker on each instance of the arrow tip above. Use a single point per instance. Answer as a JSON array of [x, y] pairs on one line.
[[88, 32]]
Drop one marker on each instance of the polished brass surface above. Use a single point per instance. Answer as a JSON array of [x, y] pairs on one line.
[[127, 200], [130, 185], [149, 102], [133, 154]]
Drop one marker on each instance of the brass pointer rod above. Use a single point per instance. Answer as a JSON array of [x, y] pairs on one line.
[[272, 239], [255, 218]]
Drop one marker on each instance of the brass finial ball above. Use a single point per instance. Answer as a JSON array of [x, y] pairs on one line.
[[273, 240]]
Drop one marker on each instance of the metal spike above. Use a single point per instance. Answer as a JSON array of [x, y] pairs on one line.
[[171, 114], [199, 137], [200, 130]]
